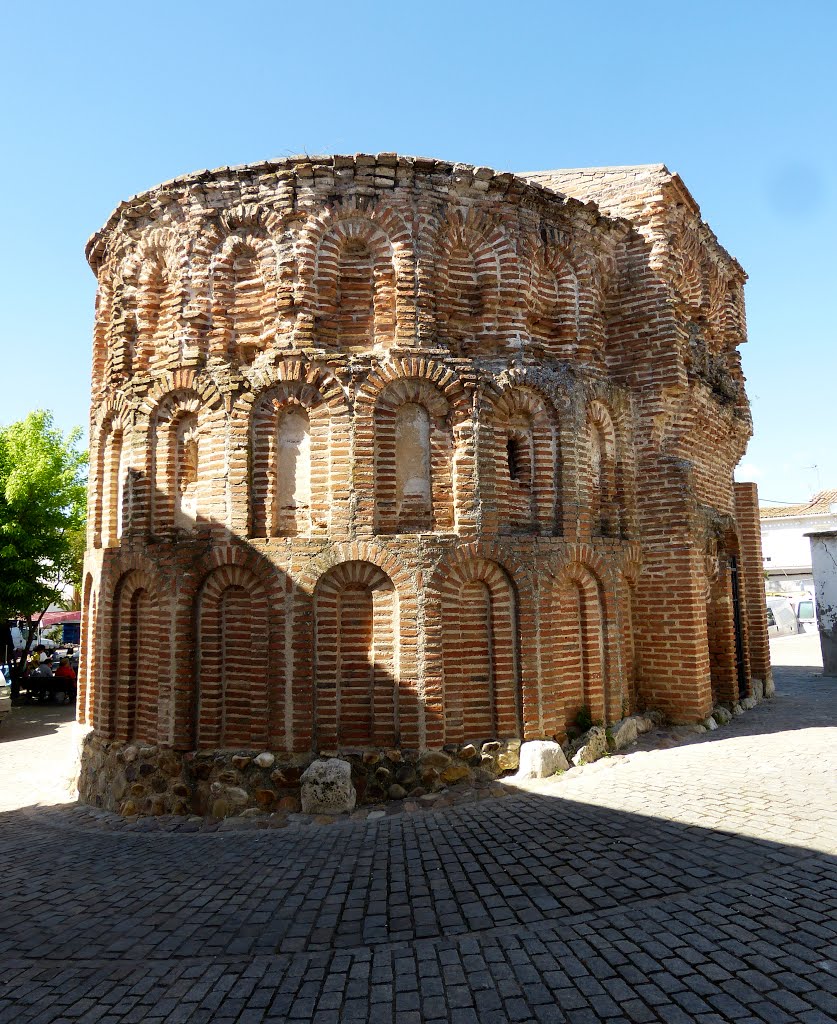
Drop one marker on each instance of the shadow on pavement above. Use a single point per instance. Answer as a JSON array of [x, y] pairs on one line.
[[29, 720], [532, 897], [534, 907]]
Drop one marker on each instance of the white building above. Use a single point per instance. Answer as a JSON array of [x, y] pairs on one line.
[[785, 548]]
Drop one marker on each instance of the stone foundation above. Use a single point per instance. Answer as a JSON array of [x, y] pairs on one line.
[[135, 778]]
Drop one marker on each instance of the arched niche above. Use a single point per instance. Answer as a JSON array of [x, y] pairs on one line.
[[526, 463], [180, 451], [290, 459], [231, 705], [604, 483], [355, 286], [134, 660], [355, 658], [242, 285], [110, 475], [552, 303], [413, 457], [472, 261], [582, 652], [480, 642], [159, 300]]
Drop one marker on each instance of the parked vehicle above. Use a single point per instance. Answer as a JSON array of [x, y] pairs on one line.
[[781, 618], [19, 639], [806, 612]]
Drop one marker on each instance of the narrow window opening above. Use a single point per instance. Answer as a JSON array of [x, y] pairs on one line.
[[513, 456], [519, 451]]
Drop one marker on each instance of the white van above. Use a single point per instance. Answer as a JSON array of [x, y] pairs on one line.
[[806, 612], [19, 640], [781, 618]]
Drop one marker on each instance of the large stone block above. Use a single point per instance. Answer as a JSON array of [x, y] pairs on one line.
[[327, 787], [591, 746], [624, 733], [541, 758]]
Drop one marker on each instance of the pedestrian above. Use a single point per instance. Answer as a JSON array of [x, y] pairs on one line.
[[65, 676], [40, 681]]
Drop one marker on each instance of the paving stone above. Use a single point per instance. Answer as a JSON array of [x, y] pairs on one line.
[[726, 921]]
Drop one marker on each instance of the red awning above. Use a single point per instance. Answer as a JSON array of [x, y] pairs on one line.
[[56, 618]]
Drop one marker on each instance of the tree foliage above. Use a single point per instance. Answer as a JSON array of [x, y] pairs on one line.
[[43, 497]]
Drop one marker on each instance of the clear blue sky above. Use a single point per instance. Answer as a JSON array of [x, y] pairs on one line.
[[105, 100]]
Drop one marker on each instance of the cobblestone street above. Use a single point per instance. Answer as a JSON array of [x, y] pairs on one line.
[[681, 881]]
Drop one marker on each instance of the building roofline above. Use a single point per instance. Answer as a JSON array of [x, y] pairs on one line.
[[369, 160]]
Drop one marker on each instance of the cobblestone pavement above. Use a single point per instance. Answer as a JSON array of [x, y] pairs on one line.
[[679, 882]]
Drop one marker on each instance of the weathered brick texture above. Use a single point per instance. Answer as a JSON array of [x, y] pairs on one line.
[[392, 452]]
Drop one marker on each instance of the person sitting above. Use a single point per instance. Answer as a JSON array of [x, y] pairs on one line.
[[40, 681], [65, 676]]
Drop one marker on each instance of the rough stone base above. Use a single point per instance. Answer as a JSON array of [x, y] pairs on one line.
[[134, 778]]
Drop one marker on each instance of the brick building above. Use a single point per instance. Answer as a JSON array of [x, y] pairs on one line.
[[396, 454]]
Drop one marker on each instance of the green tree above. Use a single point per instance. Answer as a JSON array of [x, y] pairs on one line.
[[43, 497]]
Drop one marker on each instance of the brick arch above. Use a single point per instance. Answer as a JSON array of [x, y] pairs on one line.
[[183, 433], [111, 447], [354, 264], [397, 508], [88, 668], [733, 322], [601, 486], [438, 374], [391, 563], [631, 567], [477, 629], [134, 625], [728, 649], [243, 294], [475, 279], [268, 517], [587, 651], [715, 306], [525, 465], [687, 266], [119, 328], [552, 386], [437, 389], [253, 422], [184, 379], [113, 413], [161, 289], [356, 658], [552, 300], [115, 404], [236, 564], [102, 329], [402, 571], [611, 504], [599, 282], [232, 684]]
